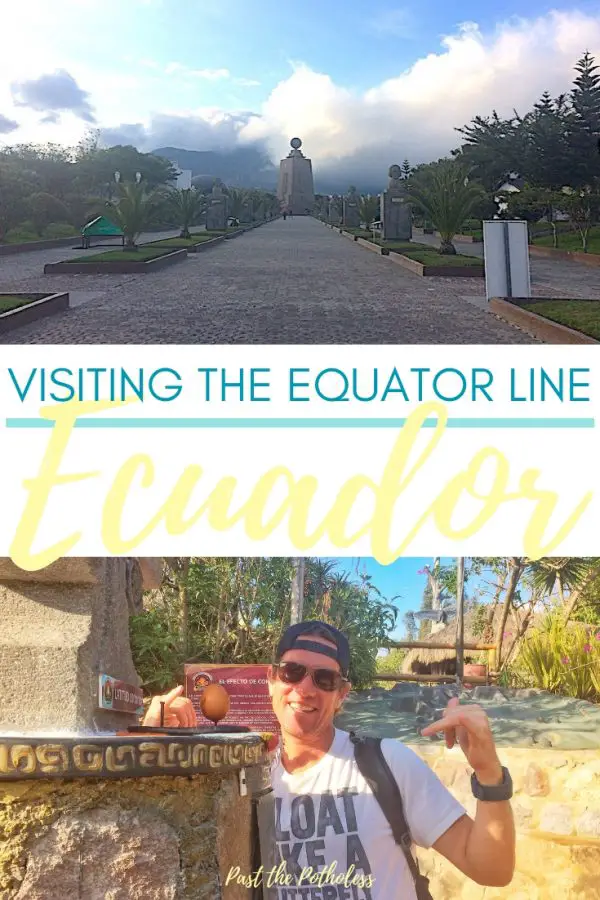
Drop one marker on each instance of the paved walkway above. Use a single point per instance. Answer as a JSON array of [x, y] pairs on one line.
[[287, 282]]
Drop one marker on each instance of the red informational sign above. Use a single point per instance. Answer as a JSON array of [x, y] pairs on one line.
[[249, 699]]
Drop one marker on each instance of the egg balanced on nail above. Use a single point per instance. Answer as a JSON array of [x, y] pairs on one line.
[[214, 702]]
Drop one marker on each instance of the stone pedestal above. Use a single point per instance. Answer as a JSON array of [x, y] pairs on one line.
[[92, 814], [396, 217], [61, 628], [351, 214], [395, 211], [295, 189], [216, 215], [334, 216], [107, 832]]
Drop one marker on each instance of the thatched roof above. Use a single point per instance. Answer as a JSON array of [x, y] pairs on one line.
[[447, 635]]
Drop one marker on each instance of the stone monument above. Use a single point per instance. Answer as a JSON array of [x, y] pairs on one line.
[[89, 808], [396, 214], [295, 189], [334, 214], [351, 213], [216, 214]]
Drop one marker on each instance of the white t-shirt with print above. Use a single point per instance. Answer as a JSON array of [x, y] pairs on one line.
[[328, 814]]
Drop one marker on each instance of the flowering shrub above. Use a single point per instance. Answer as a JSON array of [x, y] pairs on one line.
[[562, 659]]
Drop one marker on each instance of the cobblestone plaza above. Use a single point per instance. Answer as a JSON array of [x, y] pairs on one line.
[[287, 282]]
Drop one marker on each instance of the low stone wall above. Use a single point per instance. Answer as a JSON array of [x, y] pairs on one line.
[[44, 305], [134, 839], [557, 814], [587, 259], [539, 326]]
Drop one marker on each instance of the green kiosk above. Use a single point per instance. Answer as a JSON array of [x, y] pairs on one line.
[[100, 227]]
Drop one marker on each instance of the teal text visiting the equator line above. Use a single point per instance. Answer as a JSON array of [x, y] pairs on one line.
[[303, 384]]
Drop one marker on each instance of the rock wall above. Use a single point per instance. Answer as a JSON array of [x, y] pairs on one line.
[[133, 839], [557, 814], [63, 626]]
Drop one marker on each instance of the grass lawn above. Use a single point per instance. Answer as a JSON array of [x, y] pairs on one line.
[[570, 240], [582, 315], [141, 255], [428, 256], [9, 301]]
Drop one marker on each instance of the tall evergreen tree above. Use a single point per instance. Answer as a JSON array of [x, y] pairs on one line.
[[585, 133], [546, 158]]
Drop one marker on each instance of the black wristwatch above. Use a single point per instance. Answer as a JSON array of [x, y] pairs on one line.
[[493, 793]]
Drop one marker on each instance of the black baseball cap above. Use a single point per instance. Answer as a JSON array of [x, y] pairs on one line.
[[298, 636]]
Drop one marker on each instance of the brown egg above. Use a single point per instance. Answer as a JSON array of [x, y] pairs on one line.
[[214, 702]]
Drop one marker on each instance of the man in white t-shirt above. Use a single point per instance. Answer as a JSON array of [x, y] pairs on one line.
[[333, 840]]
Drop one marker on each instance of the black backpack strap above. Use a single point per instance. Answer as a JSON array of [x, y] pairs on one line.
[[376, 772]]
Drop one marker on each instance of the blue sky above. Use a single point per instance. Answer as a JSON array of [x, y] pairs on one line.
[[401, 578], [363, 84]]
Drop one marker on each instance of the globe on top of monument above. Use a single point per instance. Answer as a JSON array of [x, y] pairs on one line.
[[295, 143]]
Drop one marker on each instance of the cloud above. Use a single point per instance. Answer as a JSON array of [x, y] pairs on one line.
[[354, 135], [207, 129], [55, 93], [7, 125], [246, 82], [393, 23]]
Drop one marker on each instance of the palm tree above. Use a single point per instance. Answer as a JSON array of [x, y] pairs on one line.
[[368, 208], [187, 205], [557, 573], [443, 192], [132, 210], [238, 198]]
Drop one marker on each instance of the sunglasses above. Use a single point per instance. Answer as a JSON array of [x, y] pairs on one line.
[[294, 673]]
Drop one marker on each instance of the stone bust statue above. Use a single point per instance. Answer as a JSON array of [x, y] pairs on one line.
[[217, 190], [395, 176]]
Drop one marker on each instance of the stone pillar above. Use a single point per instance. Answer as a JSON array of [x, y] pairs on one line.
[[87, 812], [78, 819], [295, 189], [351, 214], [216, 214], [62, 627], [334, 216], [395, 211]]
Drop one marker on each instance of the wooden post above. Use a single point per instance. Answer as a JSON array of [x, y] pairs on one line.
[[460, 619]]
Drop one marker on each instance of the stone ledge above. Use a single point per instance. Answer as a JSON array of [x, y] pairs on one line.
[[29, 246], [67, 570], [424, 270], [125, 267], [586, 259], [544, 329], [101, 756], [45, 305]]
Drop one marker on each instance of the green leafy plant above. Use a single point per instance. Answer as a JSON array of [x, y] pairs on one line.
[[187, 205], [368, 208], [58, 230], [445, 195], [132, 210], [563, 658]]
